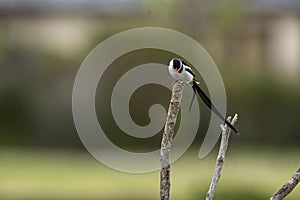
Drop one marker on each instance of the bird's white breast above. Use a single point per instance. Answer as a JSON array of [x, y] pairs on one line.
[[183, 76]]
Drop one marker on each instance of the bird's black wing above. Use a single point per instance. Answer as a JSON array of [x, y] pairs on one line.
[[190, 71], [185, 63], [209, 104]]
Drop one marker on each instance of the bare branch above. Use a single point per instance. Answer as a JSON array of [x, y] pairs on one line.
[[167, 140], [221, 157], [287, 187]]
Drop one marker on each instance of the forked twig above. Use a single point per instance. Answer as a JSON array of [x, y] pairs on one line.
[[221, 157]]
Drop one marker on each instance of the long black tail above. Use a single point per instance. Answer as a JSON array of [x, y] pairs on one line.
[[210, 105]]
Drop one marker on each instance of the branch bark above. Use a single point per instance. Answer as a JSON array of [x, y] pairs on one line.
[[177, 92], [287, 187], [221, 157]]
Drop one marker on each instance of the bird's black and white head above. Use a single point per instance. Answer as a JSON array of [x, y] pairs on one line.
[[176, 64]]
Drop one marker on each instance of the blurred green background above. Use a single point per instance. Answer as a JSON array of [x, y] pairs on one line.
[[255, 44]]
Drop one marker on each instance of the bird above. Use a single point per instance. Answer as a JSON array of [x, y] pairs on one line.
[[181, 71]]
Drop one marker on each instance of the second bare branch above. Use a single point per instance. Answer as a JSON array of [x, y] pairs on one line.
[[221, 157]]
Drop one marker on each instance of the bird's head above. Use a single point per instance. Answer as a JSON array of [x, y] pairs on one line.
[[176, 64]]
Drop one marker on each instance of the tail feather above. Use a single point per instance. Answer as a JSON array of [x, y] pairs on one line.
[[210, 105], [193, 98]]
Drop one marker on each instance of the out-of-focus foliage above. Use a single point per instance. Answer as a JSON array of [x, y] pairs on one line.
[[255, 44], [36, 80]]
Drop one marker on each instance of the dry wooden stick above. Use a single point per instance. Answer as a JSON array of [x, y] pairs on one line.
[[177, 92], [221, 157], [287, 187]]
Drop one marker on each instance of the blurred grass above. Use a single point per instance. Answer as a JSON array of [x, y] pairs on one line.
[[40, 174]]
